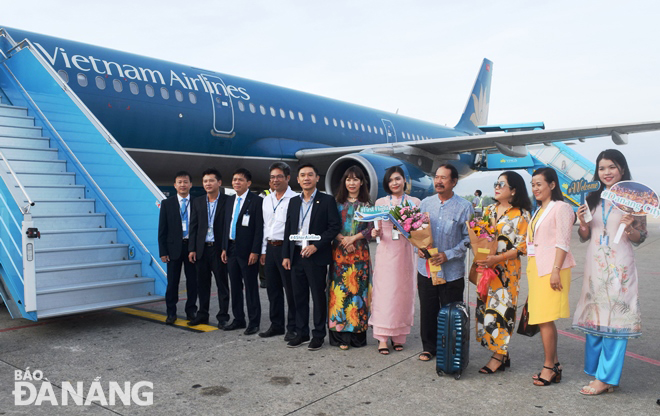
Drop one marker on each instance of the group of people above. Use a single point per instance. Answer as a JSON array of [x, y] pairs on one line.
[[311, 244]]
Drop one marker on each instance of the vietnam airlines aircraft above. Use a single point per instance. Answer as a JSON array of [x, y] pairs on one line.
[[171, 117]]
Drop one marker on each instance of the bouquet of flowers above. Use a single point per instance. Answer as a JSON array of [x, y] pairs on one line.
[[483, 239], [415, 226]]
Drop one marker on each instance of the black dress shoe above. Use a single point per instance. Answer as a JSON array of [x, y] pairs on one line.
[[316, 344], [234, 325], [251, 330], [297, 341], [271, 332], [222, 324], [262, 284], [190, 316], [290, 335], [198, 321], [170, 320]]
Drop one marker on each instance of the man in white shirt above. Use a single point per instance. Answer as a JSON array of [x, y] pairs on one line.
[[278, 279]]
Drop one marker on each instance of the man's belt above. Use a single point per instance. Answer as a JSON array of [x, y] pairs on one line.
[[275, 243]]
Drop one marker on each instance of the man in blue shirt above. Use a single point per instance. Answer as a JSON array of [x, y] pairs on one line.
[[448, 213]]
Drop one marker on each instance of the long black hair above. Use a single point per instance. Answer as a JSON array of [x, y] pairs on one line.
[[520, 199], [550, 175], [342, 192], [620, 161]]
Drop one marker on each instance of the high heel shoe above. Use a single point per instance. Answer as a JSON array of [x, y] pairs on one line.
[[556, 378], [502, 367], [536, 376]]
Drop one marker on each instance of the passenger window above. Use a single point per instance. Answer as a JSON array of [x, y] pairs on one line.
[[313, 119], [341, 123], [327, 123], [100, 83], [382, 133], [164, 93], [117, 85], [334, 121], [273, 112], [408, 135], [292, 115], [82, 80], [253, 109], [149, 90], [300, 116], [350, 126], [192, 97], [135, 90], [282, 113], [262, 109], [369, 128], [178, 95], [64, 75], [241, 106], [362, 125]]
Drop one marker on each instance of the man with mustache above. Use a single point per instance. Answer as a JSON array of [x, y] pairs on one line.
[[448, 213]]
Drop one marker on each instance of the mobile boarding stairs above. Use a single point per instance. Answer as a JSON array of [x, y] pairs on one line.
[[78, 217]]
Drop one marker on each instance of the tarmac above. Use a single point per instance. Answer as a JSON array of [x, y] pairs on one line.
[[215, 372]]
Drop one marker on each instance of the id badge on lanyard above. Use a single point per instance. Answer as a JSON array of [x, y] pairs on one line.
[[395, 234]]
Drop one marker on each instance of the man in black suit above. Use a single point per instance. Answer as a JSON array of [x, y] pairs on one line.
[[311, 213], [241, 245], [173, 230], [206, 223]]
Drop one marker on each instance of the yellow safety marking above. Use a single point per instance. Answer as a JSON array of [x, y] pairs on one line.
[[161, 318]]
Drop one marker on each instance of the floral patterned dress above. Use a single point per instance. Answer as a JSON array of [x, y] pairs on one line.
[[349, 296], [609, 302], [496, 317]]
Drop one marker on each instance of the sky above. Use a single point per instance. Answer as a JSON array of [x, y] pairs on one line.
[[565, 63]]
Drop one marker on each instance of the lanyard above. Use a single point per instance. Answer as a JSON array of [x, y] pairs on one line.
[[278, 204], [311, 202], [184, 212], [533, 224], [211, 214], [605, 217], [403, 199]]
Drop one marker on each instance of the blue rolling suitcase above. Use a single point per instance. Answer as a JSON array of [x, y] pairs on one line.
[[453, 350]]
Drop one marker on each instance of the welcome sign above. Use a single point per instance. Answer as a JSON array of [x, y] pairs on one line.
[[582, 187]]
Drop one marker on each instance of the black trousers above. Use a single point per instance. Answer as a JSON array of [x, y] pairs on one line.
[[308, 277], [278, 284], [431, 299], [173, 279], [211, 263], [241, 274]]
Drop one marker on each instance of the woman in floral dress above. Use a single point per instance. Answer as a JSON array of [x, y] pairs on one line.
[[496, 315], [349, 292], [608, 309]]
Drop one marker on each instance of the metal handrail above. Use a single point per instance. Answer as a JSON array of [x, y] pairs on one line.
[[74, 159], [20, 185]]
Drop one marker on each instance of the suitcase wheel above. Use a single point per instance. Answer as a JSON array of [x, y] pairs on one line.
[[441, 373], [457, 376]]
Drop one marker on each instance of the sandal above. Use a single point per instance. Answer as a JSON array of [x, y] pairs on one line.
[[425, 356], [343, 347], [487, 370], [384, 351], [556, 378], [590, 391], [396, 347], [536, 376]]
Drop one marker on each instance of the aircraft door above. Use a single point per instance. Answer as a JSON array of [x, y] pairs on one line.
[[390, 132], [223, 108]]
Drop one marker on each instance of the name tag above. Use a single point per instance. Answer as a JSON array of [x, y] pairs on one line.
[[246, 220], [184, 226], [395, 234], [209, 233], [531, 250], [604, 240]]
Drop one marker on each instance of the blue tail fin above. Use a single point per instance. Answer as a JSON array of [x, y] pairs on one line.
[[476, 110]]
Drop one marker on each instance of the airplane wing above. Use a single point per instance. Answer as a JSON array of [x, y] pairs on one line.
[[510, 144]]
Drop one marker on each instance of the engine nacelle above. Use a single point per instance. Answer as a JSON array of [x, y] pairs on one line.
[[374, 166]]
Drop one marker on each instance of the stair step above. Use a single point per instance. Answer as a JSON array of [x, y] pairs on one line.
[[37, 166], [68, 221], [62, 206], [27, 142], [94, 292], [54, 178], [46, 192], [10, 110], [67, 238], [29, 153], [16, 121], [20, 131], [97, 306], [88, 272], [60, 256]]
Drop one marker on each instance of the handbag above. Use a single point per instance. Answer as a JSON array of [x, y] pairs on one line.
[[524, 328]]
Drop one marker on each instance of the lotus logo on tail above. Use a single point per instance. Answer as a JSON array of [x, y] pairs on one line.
[[480, 115]]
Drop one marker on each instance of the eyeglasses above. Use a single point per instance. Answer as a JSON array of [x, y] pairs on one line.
[[275, 177], [500, 184]]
